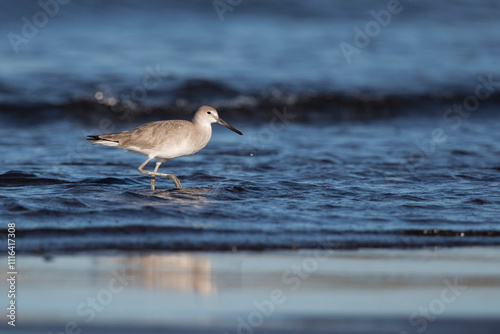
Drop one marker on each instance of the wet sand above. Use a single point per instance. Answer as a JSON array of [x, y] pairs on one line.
[[455, 290]]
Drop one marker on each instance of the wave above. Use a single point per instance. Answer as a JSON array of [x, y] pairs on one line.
[[194, 238], [301, 106]]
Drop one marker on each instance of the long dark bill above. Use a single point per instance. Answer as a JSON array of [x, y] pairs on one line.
[[221, 122]]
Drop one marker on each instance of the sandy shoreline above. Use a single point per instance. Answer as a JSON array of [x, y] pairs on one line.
[[368, 290]]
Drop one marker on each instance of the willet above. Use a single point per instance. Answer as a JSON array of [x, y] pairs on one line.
[[165, 140]]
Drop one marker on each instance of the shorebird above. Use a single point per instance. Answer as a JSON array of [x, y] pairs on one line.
[[165, 140]]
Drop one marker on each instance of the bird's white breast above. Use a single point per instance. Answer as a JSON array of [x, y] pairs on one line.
[[185, 143]]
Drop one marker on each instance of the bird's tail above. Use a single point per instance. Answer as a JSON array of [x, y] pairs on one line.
[[99, 140]]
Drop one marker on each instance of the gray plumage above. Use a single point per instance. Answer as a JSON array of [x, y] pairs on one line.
[[165, 140]]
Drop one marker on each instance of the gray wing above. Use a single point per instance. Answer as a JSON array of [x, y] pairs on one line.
[[150, 135]]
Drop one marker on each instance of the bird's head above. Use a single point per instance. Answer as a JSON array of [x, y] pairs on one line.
[[209, 115]]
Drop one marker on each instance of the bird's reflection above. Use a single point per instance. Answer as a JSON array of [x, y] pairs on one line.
[[177, 272], [192, 196]]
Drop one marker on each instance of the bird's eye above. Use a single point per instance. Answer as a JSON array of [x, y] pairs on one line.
[[208, 112]]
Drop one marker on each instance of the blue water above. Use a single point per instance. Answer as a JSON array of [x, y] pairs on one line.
[[369, 156], [341, 185], [427, 46]]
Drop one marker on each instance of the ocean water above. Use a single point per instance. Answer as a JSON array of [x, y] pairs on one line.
[[395, 145], [337, 186]]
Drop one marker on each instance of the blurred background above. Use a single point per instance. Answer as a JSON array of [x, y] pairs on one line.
[[367, 124], [243, 53]]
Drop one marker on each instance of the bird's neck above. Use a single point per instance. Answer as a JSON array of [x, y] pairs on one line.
[[203, 127]]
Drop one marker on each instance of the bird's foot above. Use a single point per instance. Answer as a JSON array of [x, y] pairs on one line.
[[175, 180], [172, 177]]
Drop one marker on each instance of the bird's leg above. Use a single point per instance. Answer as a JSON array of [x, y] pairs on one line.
[[142, 171], [172, 177], [152, 181], [153, 177]]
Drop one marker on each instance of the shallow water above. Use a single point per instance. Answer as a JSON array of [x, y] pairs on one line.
[[336, 185], [338, 153]]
